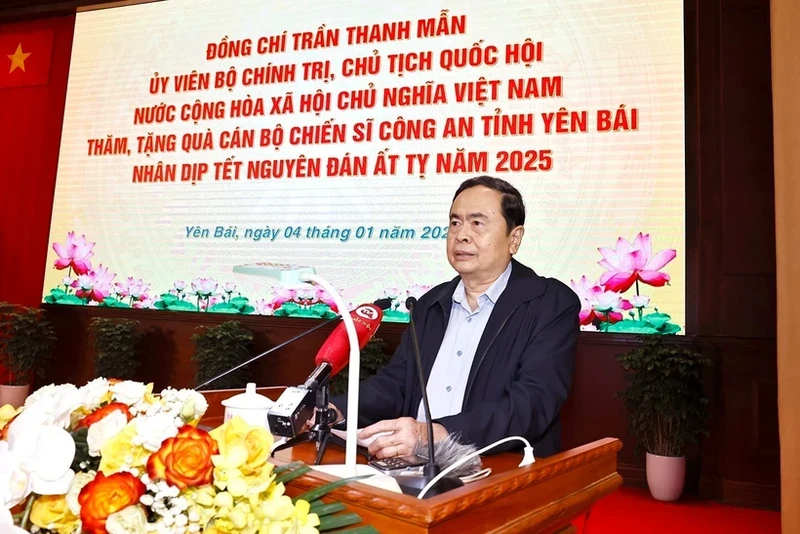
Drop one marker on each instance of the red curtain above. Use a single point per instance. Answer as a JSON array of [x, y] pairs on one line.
[[34, 66]]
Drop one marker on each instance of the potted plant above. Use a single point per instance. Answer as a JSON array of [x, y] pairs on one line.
[[28, 340], [666, 409], [373, 358], [219, 348], [114, 342]]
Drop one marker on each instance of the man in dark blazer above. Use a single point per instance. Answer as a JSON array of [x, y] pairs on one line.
[[497, 342]]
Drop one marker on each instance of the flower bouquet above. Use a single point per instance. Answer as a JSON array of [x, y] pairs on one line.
[[113, 457]]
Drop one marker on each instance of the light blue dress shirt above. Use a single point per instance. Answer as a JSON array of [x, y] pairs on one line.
[[447, 382]]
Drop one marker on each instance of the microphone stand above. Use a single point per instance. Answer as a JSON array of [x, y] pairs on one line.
[[413, 485], [320, 432]]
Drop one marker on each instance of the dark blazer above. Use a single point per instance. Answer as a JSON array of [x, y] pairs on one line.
[[520, 376]]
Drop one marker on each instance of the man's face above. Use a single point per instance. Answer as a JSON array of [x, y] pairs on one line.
[[478, 244]]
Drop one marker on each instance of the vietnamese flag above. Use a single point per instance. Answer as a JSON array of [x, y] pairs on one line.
[[34, 69], [25, 58]]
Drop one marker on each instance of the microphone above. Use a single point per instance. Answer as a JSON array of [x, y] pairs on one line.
[[294, 407], [413, 485], [383, 304]]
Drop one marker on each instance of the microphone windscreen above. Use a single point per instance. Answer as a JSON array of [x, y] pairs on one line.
[[450, 450], [336, 349]]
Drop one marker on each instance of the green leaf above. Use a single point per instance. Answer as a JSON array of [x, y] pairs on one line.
[[322, 311], [223, 307], [57, 293], [395, 316], [181, 305], [287, 309], [328, 509], [110, 302], [71, 300], [169, 298], [247, 310], [317, 311], [291, 475], [318, 493], [656, 319], [288, 467], [338, 521], [669, 328], [239, 302], [631, 327]]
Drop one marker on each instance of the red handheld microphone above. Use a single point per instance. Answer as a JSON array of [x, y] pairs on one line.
[[336, 349]]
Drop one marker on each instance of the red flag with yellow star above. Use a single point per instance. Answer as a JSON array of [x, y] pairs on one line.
[[25, 59]]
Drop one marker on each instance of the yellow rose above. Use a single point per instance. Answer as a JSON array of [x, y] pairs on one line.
[[119, 452], [242, 463], [52, 513], [7, 413]]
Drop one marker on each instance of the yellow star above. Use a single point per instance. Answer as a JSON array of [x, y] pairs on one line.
[[18, 59]]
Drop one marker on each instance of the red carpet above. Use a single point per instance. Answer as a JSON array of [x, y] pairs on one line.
[[630, 510]]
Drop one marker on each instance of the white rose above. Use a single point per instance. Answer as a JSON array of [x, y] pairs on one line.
[[7, 523], [128, 392], [130, 520], [53, 405], [105, 429], [93, 393], [194, 406], [15, 483], [80, 480], [152, 431]]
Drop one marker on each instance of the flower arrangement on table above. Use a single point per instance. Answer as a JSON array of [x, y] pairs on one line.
[[603, 304], [113, 457]]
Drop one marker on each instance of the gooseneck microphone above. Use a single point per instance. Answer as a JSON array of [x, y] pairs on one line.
[[383, 304], [413, 485]]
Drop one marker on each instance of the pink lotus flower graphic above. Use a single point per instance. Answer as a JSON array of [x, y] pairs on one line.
[[586, 291], [132, 288], [325, 298], [204, 287], [609, 305], [282, 296], [628, 263], [603, 304], [95, 285], [74, 254], [264, 307]]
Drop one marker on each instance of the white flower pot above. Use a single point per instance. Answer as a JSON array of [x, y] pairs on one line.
[[666, 476], [14, 395]]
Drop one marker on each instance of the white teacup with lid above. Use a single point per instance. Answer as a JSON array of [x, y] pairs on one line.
[[250, 406]]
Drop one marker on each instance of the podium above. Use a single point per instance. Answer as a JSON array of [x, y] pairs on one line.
[[543, 497]]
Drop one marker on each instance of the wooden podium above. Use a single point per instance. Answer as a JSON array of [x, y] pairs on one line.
[[543, 497]]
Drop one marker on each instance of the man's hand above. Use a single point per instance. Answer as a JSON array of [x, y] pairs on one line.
[[406, 433]]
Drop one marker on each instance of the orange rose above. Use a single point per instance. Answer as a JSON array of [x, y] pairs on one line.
[[104, 496], [99, 413], [184, 460]]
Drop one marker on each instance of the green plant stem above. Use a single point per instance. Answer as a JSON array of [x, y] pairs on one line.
[[27, 514], [637, 287]]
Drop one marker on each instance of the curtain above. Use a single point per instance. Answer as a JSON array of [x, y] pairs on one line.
[[785, 16], [34, 65]]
